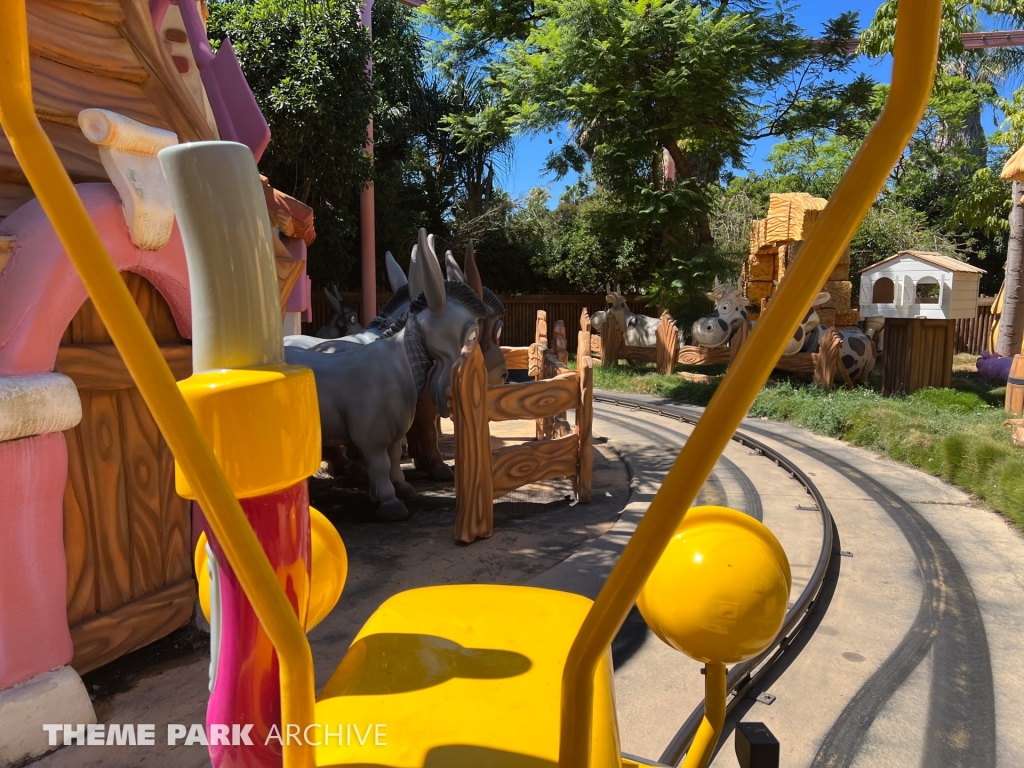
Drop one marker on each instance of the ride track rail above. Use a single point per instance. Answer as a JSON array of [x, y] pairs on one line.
[[742, 677]]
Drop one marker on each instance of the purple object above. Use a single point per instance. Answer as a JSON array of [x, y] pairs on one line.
[[993, 367], [307, 313], [234, 107], [298, 300]]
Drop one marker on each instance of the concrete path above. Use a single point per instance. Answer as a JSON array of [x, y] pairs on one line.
[[913, 659]]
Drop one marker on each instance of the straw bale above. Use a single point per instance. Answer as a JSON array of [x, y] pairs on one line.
[[761, 267], [783, 257], [827, 317], [840, 292], [787, 213], [840, 273], [757, 234], [848, 319], [759, 289]]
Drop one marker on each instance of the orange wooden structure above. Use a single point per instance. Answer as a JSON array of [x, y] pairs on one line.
[[483, 475]]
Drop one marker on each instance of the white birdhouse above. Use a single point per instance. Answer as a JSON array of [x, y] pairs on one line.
[[917, 284]]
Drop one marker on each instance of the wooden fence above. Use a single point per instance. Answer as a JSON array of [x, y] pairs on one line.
[[518, 327], [972, 335], [483, 475], [610, 348]]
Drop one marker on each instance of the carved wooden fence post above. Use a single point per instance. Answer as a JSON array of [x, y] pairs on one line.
[[826, 359], [611, 342], [561, 343], [585, 427], [737, 340], [474, 482], [586, 341], [667, 344], [540, 335]]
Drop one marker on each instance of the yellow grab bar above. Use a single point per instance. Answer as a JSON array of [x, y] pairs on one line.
[[914, 59], [76, 231]]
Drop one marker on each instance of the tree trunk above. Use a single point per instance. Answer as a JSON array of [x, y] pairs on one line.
[[684, 169], [1011, 322]]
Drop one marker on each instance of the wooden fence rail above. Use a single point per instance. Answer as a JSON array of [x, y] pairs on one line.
[[972, 335], [483, 475], [610, 348], [520, 313]]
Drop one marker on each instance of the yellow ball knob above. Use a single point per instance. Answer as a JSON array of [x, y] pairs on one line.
[[719, 591]]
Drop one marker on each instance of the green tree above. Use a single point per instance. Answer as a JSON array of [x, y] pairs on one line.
[[978, 203], [635, 80], [306, 65]]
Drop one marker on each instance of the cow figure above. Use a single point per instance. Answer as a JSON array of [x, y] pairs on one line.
[[729, 314], [857, 352], [637, 330], [368, 392]]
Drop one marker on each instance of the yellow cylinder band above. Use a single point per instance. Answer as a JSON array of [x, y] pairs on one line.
[[262, 423]]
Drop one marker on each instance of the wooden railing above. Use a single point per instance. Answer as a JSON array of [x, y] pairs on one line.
[[483, 475], [520, 312], [973, 334], [610, 348]]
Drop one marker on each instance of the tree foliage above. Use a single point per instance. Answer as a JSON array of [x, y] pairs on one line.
[[631, 83]]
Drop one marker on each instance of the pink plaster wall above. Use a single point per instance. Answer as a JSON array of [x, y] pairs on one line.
[[34, 634], [40, 291]]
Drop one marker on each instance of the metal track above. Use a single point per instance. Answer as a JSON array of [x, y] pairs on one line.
[[742, 677]]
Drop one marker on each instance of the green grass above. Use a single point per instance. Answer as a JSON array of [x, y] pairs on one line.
[[957, 434]]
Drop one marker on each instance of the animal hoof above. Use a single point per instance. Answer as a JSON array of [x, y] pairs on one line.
[[392, 511], [441, 472], [405, 492]]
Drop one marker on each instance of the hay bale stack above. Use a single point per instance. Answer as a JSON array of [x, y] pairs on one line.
[[827, 317], [776, 239], [761, 264], [840, 292], [758, 234], [841, 271], [791, 216], [848, 319], [759, 289]]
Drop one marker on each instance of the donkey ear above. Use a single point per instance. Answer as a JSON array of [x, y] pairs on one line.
[[473, 272], [433, 280], [396, 277], [415, 273], [335, 304], [821, 298], [451, 267]]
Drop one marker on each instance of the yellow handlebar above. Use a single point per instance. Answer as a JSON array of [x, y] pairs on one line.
[[914, 59], [76, 231]]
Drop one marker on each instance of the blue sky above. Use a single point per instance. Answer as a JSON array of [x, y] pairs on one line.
[[531, 151]]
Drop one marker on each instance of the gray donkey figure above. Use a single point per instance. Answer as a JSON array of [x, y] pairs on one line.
[[368, 392], [336, 329]]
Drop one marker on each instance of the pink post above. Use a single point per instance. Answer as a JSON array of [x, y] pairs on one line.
[[246, 687]]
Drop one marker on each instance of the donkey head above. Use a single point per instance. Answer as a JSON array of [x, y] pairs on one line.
[[730, 312], [344, 319], [447, 314]]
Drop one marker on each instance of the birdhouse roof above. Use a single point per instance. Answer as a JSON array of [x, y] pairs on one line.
[[1014, 168], [936, 259]]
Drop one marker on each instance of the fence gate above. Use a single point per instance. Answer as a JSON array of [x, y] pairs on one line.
[[127, 534]]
